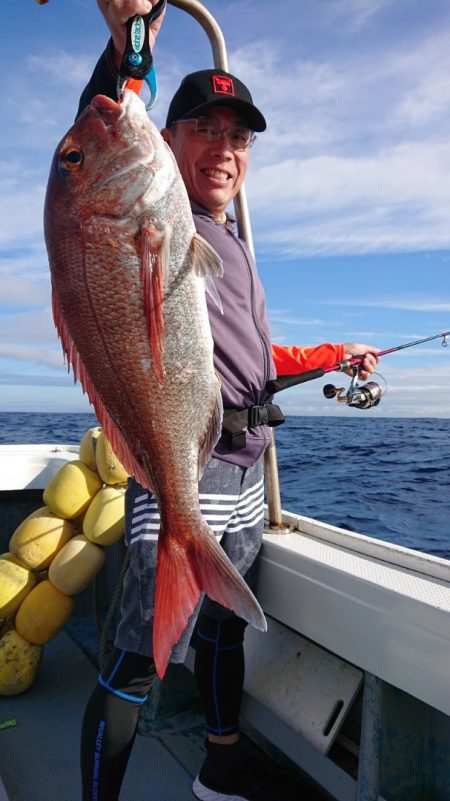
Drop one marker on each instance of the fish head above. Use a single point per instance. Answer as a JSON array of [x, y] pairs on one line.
[[112, 162]]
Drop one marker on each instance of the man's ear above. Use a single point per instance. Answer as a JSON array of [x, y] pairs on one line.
[[165, 133]]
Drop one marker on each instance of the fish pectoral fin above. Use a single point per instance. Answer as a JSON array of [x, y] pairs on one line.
[[205, 260], [183, 573], [213, 432], [154, 248], [213, 293], [206, 264]]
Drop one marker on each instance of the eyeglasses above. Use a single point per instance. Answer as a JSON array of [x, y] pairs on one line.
[[211, 129]]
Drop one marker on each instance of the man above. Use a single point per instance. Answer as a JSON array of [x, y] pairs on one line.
[[211, 123]]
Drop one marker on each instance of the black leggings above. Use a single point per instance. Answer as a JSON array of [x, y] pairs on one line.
[[112, 712]]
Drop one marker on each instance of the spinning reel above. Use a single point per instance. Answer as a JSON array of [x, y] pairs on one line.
[[360, 396]]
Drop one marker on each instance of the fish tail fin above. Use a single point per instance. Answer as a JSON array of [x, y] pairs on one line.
[[182, 575]]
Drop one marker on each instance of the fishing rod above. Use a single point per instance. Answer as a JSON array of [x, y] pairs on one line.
[[358, 396]]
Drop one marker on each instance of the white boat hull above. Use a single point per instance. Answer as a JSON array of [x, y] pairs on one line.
[[345, 612]]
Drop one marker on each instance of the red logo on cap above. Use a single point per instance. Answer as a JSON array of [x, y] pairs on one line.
[[222, 85]]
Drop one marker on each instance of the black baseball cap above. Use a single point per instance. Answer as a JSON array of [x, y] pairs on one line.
[[201, 90]]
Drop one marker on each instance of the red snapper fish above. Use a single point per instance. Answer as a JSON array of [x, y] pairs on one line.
[[128, 290]]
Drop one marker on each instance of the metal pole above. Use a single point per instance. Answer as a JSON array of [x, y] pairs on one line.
[[217, 41], [273, 488], [210, 26]]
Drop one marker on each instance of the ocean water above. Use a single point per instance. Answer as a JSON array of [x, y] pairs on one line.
[[387, 478]]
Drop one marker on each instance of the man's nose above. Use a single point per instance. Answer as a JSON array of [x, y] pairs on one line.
[[222, 143]]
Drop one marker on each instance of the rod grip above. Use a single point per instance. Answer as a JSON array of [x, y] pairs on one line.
[[286, 381]]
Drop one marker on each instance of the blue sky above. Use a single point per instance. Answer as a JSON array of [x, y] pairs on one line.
[[349, 188]]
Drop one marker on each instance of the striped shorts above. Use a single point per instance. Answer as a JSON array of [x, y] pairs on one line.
[[232, 503]]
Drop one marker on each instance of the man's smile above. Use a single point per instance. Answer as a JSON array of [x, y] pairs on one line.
[[218, 175]]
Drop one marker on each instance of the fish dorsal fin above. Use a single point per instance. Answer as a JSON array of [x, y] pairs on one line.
[[213, 431], [206, 264], [154, 270]]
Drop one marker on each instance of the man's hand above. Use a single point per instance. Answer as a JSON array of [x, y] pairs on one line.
[[116, 13], [368, 364]]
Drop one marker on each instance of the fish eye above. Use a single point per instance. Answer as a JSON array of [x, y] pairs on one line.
[[72, 159]]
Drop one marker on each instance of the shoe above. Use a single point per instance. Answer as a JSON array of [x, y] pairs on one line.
[[227, 775]]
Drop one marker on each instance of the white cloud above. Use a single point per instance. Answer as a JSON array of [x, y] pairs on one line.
[[27, 327], [23, 291], [396, 200], [405, 304], [410, 173], [356, 155], [357, 13], [32, 354], [287, 318], [33, 114], [63, 68], [423, 79], [21, 205]]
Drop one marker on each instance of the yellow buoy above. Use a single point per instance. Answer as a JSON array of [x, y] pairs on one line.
[[19, 663], [43, 613], [88, 446], [110, 470], [74, 567], [11, 557], [71, 489], [16, 581], [39, 537], [104, 521]]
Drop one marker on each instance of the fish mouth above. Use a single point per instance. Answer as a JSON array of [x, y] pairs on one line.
[[110, 112], [135, 164], [107, 108]]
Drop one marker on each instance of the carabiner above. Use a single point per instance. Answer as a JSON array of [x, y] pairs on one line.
[[137, 61]]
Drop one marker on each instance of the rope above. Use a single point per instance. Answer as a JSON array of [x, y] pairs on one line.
[[110, 615]]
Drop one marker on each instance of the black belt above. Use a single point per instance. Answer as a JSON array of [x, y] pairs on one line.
[[235, 422]]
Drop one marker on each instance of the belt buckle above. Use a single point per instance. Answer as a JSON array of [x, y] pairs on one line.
[[258, 416]]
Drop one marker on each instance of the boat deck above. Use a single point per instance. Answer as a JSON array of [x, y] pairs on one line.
[[39, 756]]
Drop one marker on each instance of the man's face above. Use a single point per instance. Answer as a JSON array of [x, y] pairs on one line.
[[212, 171]]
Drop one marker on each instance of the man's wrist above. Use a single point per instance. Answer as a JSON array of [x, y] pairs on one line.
[[113, 57]]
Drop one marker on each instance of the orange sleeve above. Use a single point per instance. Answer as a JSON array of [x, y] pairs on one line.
[[292, 359]]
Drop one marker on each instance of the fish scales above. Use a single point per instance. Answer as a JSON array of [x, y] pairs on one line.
[[128, 286]]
